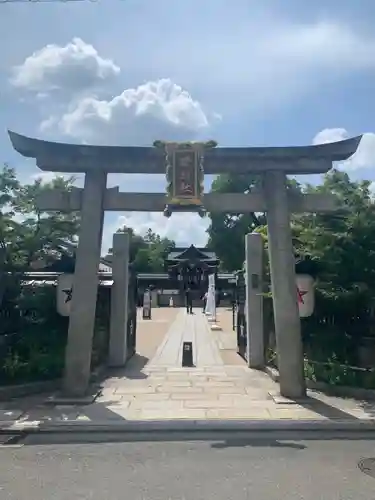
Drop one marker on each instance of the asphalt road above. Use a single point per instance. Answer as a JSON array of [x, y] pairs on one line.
[[216, 469]]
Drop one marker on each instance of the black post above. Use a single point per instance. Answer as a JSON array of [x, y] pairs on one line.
[[233, 315], [187, 354]]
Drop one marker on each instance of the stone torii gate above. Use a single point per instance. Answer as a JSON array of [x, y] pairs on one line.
[[273, 164]]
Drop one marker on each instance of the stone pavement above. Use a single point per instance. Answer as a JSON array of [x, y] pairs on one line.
[[150, 334], [155, 387], [188, 328], [227, 337]]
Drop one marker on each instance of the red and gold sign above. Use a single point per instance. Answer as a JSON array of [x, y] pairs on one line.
[[186, 188], [185, 175]]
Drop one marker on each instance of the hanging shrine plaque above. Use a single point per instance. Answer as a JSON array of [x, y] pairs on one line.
[[185, 175]]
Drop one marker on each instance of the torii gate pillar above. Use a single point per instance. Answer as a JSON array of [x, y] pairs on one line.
[[284, 292], [85, 286]]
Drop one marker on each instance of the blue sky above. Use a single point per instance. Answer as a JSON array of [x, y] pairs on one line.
[[255, 72]]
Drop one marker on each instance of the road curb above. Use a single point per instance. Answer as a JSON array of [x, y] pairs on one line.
[[189, 426]]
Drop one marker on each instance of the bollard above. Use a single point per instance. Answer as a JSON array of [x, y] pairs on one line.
[[187, 354]]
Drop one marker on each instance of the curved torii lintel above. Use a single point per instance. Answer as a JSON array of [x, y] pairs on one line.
[[62, 157]]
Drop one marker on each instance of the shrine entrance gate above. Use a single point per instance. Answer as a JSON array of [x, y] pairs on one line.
[[185, 165]]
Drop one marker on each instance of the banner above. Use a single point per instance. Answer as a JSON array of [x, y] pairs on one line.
[[211, 297], [305, 295], [147, 301], [64, 293]]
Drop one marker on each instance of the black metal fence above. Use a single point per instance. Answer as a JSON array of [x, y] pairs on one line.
[[33, 335], [238, 314], [131, 330]]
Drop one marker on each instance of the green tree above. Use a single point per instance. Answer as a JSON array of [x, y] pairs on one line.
[[158, 249], [9, 188], [43, 232], [227, 231], [147, 253], [26, 233], [343, 242]]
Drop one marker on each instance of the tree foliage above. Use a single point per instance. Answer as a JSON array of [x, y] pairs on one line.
[[26, 233], [33, 334], [343, 242], [148, 252], [342, 247], [227, 231]]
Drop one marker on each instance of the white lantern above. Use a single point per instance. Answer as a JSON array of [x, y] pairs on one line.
[[64, 294], [305, 295]]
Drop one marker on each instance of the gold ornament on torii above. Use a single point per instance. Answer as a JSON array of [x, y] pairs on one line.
[[185, 175]]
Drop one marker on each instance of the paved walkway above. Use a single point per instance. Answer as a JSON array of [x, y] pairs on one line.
[[158, 388], [227, 337], [188, 328]]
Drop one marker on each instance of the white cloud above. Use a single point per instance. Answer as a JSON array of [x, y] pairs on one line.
[[286, 60], [183, 228], [328, 135], [363, 158], [281, 60], [155, 110], [74, 67]]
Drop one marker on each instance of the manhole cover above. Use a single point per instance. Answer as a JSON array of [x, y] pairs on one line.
[[367, 466]]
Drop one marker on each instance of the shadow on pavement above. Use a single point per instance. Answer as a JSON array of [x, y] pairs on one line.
[[325, 410], [132, 370], [45, 413], [216, 441], [101, 412], [219, 440], [261, 442]]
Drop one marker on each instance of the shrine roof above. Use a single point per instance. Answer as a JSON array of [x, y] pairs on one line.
[[61, 157], [191, 252]]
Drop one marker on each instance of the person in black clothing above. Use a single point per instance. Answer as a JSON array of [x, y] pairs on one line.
[[189, 300]]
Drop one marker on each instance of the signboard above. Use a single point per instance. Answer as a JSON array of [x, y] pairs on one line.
[[64, 294], [305, 295], [185, 185]]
